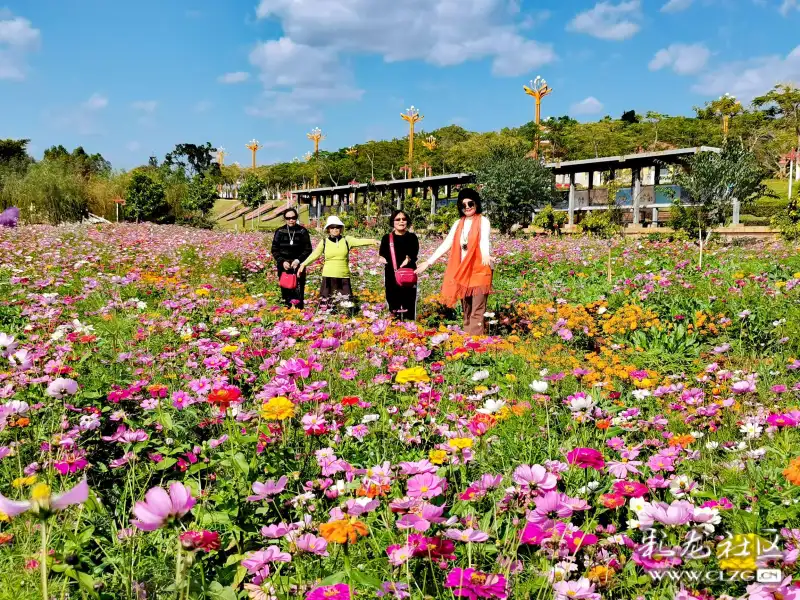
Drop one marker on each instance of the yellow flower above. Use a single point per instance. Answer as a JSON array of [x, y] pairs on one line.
[[796, 275], [413, 375], [739, 553], [229, 348], [511, 377], [503, 414], [4, 518], [437, 457], [460, 443], [278, 409], [202, 292], [481, 388], [24, 481]]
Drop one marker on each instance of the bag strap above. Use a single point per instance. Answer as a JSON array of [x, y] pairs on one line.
[[391, 251]]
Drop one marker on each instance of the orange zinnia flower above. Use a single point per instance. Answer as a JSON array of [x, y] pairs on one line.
[[343, 531], [792, 471], [681, 440]]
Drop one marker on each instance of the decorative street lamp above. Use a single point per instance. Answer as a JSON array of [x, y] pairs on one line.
[[351, 151], [413, 117], [221, 154], [538, 89], [315, 136], [254, 147], [430, 143]]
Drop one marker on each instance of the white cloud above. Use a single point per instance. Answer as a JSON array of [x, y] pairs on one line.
[[788, 5], [588, 106], [609, 21], [747, 79], [96, 102], [321, 35], [145, 106], [203, 106], [684, 59], [17, 39], [676, 6], [236, 77]]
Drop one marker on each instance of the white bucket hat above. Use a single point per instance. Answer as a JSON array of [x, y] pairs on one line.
[[333, 221]]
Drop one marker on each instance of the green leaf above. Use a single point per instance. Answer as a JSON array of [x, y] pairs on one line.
[[364, 579], [219, 592], [91, 395], [334, 579], [241, 463], [166, 463]]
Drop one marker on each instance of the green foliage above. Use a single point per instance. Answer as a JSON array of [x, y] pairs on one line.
[[601, 223], [251, 191], [231, 266], [444, 218], [550, 220], [417, 209], [767, 207], [712, 181], [14, 155], [79, 161], [192, 160], [201, 195], [145, 198], [788, 222], [48, 192], [512, 186]]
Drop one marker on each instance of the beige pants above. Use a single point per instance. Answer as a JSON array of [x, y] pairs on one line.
[[474, 308]]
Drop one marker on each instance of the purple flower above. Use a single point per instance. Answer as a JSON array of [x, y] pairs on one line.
[[59, 388], [9, 217], [533, 478], [313, 544], [743, 387], [159, 507], [265, 490], [467, 535], [426, 485]]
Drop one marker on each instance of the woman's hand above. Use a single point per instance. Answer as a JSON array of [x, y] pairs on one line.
[[295, 263], [300, 269], [382, 260], [286, 265], [404, 263], [487, 261], [422, 267]]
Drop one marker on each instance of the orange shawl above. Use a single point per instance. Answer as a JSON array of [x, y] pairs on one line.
[[468, 277]]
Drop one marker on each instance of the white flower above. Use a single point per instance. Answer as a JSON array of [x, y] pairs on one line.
[[581, 403], [141, 305], [540, 387], [640, 394], [681, 485], [637, 505], [480, 375], [439, 338], [602, 310], [489, 315], [543, 372], [369, 418], [751, 430], [712, 445], [491, 406], [633, 523], [7, 344]]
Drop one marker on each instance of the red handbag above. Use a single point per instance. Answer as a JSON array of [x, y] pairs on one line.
[[288, 281], [403, 277]]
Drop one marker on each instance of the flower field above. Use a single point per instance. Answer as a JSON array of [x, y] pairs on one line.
[[167, 431]]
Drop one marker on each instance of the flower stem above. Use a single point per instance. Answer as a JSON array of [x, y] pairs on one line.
[[43, 562], [179, 570]]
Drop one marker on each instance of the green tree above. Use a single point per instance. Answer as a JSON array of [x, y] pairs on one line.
[[14, 154], [193, 160], [201, 195], [513, 186], [145, 199], [251, 190], [783, 101], [713, 181]]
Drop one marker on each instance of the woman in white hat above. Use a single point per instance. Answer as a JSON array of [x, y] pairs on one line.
[[335, 249]]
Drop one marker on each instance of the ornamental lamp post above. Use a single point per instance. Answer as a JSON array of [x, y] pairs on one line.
[[430, 143], [221, 154], [254, 147], [412, 116], [121, 202], [315, 136], [538, 89]]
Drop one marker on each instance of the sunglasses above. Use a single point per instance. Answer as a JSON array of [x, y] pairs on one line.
[[468, 204], [293, 218], [400, 220]]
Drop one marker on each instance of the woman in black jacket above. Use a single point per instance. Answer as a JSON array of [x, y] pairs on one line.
[[290, 247], [402, 300]]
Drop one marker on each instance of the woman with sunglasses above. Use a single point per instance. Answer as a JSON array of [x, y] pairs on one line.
[[290, 247], [402, 301], [335, 249], [468, 276]]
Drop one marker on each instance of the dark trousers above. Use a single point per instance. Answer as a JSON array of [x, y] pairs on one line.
[[402, 301], [474, 307], [297, 294]]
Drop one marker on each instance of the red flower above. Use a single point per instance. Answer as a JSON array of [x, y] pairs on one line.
[[350, 400], [200, 540], [586, 458]]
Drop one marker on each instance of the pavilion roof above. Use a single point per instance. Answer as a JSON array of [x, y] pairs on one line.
[[395, 184], [640, 159]]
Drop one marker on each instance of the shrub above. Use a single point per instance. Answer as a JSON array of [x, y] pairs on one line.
[[550, 220], [47, 193], [751, 220], [766, 207], [788, 222], [145, 198], [231, 266], [601, 223], [251, 191]]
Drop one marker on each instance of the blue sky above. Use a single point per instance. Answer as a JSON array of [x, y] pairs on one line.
[[131, 79]]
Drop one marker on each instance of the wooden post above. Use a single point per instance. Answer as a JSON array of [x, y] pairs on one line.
[[571, 205]]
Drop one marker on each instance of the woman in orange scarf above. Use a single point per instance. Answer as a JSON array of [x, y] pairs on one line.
[[468, 276]]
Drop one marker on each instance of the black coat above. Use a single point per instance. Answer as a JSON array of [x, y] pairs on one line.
[[283, 250]]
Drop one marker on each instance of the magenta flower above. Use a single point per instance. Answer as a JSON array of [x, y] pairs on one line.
[[550, 507], [659, 462], [256, 561], [781, 421], [534, 478], [60, 388], [312, 544], [677, 513], [582, 589], [472, 584], [265, 490], [621, 469], [426, 485], [422, 517], [586, 458], [160, 507], [743, 387], [340, 591], [42, 502]]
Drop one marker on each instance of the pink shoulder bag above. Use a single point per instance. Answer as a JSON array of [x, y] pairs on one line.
[[404, 277]]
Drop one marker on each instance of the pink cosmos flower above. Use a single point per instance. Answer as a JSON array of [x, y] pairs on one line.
[[586, 458], [159, 507], [426, 485], [467, 535], [534, 478], [678, 513], [275, 531], [621, 469], [582, 589], [630, 489], [781, 421], [340, 591], [536, 533], [77, 495], [270, 488], [312, 544], [472, 584], [549, 507], [422, 517], [743, 387]]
